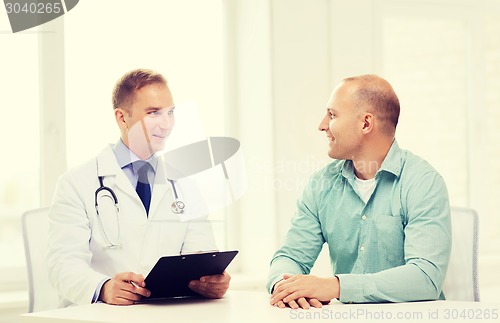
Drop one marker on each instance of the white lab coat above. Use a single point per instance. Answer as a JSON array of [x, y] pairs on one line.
[[79, 256]]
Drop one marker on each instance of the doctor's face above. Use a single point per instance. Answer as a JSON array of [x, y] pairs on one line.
[[149, 121]]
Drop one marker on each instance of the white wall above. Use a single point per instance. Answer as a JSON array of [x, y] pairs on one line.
[[250, 119]]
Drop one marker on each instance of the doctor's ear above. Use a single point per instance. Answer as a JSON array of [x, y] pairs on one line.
[[120, 117]]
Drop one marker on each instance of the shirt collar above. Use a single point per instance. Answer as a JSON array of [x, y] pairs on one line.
[[124, 156], [392, 163]]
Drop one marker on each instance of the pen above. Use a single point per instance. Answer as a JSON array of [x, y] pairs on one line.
[[134, 284]]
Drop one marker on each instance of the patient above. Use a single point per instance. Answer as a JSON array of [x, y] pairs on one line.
[[383, 211]]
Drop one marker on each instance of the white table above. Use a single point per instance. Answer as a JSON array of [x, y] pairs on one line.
[[246, 306]]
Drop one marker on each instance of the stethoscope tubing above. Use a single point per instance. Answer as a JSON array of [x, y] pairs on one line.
[[177, 206]]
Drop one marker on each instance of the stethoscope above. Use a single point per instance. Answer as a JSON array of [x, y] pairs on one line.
[[177, 206]]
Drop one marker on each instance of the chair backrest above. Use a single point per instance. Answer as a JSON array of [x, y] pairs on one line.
[[42, 296], [461, 282]]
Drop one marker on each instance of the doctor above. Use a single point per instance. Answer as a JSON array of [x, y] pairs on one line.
[[111, 218]]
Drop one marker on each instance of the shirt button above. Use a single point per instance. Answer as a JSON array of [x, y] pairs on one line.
[[362, 248], [363, 217]]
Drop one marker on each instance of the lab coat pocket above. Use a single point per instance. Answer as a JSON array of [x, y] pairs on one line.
[[169, 237]]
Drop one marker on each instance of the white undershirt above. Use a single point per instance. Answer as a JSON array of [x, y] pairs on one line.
[[365, 188]]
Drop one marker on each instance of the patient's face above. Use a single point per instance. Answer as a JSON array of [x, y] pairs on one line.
[[343, 123]]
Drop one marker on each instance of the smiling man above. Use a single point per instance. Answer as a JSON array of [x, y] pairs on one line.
[[111, 218], [144, 111], [383, 212]]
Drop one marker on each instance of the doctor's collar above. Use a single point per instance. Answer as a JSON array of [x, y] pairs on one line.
[[124, 156]]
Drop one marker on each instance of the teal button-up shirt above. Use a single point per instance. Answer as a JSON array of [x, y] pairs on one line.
[[393, 248]]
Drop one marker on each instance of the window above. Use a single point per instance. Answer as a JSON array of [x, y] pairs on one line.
[[167, 36], [180, 39], [20, 176]]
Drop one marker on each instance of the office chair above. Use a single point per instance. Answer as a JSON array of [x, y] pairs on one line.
[[42, 296], [461, 282]]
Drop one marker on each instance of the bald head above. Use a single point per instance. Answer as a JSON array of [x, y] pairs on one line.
[[373, 94]]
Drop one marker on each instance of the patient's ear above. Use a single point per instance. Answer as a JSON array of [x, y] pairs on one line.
[[368, 122]]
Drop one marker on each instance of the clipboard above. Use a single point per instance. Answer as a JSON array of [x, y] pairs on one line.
[[171, 275]]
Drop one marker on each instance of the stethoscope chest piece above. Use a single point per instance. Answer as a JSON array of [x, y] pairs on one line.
[[178, 207]]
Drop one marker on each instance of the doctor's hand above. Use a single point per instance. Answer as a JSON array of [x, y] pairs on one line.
[[211, 286], [304, 291], [124, 289]]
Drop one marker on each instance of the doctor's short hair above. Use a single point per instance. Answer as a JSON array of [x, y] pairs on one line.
[[124, 91]]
